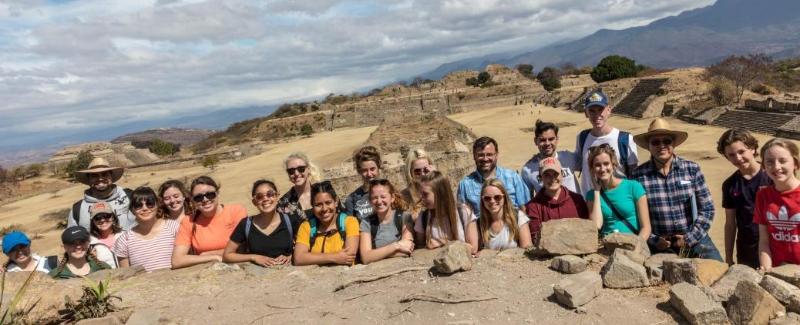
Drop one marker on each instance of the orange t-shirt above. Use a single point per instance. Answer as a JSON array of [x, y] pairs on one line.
[[210, 233]]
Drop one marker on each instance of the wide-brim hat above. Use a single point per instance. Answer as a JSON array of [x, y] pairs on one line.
[[98, 165], [660, 126]]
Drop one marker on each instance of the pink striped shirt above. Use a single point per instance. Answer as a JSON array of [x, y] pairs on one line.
[[152, 254]]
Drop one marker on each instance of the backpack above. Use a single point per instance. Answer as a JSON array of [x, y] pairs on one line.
[[249, 224], [76, 207], [313, 221], [374, 224], [623, 143]]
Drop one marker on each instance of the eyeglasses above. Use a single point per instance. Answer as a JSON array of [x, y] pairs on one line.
[[300, 169], [490, 198], [202, 196], [148, 202], [102, 217], [266, 195], [659, 142]]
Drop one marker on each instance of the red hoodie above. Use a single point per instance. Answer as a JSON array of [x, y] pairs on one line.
[[542, 208]]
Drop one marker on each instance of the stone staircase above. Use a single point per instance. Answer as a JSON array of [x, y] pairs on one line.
[[631, 104], [753, 121]]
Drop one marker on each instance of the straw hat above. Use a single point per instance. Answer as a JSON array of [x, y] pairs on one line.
[[98, 165], [660, 126]]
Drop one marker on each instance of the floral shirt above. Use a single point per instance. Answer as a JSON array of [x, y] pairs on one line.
[[289, 204]]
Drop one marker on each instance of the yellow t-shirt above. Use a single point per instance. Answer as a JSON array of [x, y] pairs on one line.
[[333, 243]]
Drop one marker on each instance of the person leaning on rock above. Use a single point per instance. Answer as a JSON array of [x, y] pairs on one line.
[[100, 177], [554, 200], [680, 204]]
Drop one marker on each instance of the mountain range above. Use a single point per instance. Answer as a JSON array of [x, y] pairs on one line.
[[698, 37]]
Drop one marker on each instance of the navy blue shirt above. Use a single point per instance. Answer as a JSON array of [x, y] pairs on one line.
[[739, 194]]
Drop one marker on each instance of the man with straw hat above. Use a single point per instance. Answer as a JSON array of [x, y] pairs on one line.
[[100, 177], [681, 209]]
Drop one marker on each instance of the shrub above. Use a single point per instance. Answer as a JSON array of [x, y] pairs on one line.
[[163, 148], [79, 163], [742, 71], [761, 89], [615, 67], [210, 161], [722, 91], [95, 302], [306, 130], [526, 70], [549, 78]]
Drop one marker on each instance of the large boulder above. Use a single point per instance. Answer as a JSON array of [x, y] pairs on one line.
[[695, 305], [787, 272], [751, 304], [628, 242], [696, 271], [578, 289], [622, 273], [785, 292], [655, 266], [454, 257], [724, 287], [570, 236], [569, 264]]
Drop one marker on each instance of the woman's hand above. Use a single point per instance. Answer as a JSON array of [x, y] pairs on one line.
[[262, 260], [343, 258], [405, 246], [282, 259]]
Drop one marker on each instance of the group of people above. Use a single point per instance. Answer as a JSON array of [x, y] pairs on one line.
[[664, 200]]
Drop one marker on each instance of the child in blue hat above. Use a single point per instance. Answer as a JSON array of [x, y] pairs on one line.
[[17, 246]]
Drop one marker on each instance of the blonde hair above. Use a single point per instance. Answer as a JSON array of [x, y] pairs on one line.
[[787, 144], [509, 216], [314, 174], [445, 210], [414, 155], [604, 148]]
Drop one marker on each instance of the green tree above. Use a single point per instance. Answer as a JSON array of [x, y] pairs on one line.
[[549, 77], [614, 67], [162, 148], [210, 161], [306, 130], [80, 162], [742, 71], [484, 77], [526, 70]]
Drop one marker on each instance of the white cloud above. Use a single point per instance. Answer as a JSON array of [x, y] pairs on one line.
[[119, 61]]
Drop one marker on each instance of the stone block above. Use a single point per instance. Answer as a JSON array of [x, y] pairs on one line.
[[578, 289], [569, 264], [751, 304], [724, 287], [783, 291], [454, 257], [655, 266], [629, 242], [622, 273], [787, 272], [695, 306], [695, 271], [570, 236]]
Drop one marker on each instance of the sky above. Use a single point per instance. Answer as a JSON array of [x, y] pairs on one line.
[[71, 66]]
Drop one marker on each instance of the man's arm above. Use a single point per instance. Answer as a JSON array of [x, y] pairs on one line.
[[705, 209]]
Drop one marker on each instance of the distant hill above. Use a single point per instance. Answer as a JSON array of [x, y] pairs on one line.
[[694, 38], [184, 137]]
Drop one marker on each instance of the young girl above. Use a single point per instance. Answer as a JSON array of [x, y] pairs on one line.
[[329, 236], [267, 238], [151, 241], [174, 200], [203, 237], [500, 225], [17, 246], [615, 205], [441, 220], [777, 211], [740, 148], [78, 259], [383, 232]]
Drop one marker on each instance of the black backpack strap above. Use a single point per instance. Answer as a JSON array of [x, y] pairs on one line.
[[617, 214], [398, 221], [623, 143], [52, 262], [581, 143], [76, 212], [374, 224], [128, 192]]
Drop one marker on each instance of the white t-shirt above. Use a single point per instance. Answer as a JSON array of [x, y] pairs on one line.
[[503, 240], [569, 164], [464, 217], [104, 253], [41, 267], [612, 139]]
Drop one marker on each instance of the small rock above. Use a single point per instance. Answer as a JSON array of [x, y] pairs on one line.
[[595, 259], [787, 272], [724, 287], [569, 264], [454, 257], [628, 242], [695, 271], [578, 289], [788, 319], [117, 274], [695, 305], [570, 236], [751, 304], [144, 317], [783, 291], [622, 273], [108, 320], [655, 266]]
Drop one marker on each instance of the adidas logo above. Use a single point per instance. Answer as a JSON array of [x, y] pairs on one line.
[[782, 221]]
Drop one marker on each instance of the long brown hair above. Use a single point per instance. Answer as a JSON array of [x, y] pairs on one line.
[[174, 183], [445, 213], [509, 216]]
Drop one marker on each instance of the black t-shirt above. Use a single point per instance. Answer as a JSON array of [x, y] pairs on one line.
[[272, 245], [740, 194]]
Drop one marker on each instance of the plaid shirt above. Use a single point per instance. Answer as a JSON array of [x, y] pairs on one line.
[[668, 199]]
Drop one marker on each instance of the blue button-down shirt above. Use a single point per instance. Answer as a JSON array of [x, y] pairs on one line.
[[669, 199], [469, 189]]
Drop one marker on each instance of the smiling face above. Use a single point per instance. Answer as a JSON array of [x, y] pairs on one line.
[[740, 155], [427, 196], [77, 250], [598, 115], [551, 180], [100, 182], [173, 200], [297, 169], [21, 254], [779, 164], [324, 207], [493, 200], [144, 210], [265, 199], [381, 199], [368, 170], [486, 158], [420, 167], [603, 167], [206, 204], [103, 222], [547, 142], [662, 147]]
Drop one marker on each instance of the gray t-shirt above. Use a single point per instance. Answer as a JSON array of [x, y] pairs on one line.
[[387, 232], [357, 204], [569, 164], [502, 240]]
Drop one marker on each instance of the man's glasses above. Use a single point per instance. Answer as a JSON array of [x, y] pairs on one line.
[[202, 196], [300, 169]]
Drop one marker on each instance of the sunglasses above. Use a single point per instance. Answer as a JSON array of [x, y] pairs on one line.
[[150, 203], [658, 142], [102, 217], [300, 169], [490, 198], [267, 195], [421, 171], [202, 196]]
